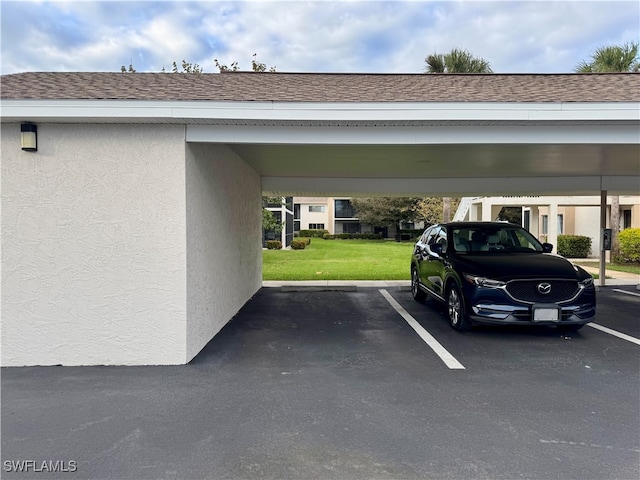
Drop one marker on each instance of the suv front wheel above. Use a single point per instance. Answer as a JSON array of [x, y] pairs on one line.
[[455, 309]]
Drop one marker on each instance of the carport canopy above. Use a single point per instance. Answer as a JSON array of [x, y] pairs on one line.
[[375, 134], [130, 234]]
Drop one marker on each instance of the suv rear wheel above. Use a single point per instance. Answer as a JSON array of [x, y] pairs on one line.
[[417, 294]]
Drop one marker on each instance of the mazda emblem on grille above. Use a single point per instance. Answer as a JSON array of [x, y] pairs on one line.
[[544, 288]]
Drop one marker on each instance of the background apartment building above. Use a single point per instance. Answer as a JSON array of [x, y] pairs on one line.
[[336, 215]]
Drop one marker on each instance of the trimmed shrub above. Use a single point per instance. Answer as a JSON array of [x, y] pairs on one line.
[[368, 236], [574, 246], [274, 244], [298, 244], [629, 242], [328, 236], [313, 233]]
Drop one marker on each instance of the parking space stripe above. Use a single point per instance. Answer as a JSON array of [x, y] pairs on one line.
[[627, 292], [442, 352], [615, 333]]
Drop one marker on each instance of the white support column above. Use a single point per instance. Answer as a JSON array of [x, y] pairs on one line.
[[486, 210], [534, 221], [552, 234], [473, 211]]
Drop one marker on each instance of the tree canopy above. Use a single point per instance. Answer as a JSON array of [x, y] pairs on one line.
[[386, 211], [456, 61], [188, 67], [609, 59]]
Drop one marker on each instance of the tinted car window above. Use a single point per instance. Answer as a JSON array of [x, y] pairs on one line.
[[425, 235], [494, 239], [441, 239], [431, 236]]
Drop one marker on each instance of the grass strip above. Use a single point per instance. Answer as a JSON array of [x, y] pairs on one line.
[[340, 260]]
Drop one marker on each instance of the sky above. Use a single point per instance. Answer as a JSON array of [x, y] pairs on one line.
[[345, 36]]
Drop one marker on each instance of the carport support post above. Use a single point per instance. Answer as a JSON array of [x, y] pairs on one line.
[[603, 225]]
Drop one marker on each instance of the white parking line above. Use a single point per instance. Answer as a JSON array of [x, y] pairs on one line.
[[625, 291], [442, 352], [615, 333]]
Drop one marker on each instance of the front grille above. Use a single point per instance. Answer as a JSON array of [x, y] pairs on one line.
[[527, 290]]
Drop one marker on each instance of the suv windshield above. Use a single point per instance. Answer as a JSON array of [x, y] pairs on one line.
[[494, 239]]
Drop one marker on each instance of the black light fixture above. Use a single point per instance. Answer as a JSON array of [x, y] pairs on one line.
[[29, 137]]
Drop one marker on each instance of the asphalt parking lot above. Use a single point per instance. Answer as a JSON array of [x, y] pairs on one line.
[[337, 384]]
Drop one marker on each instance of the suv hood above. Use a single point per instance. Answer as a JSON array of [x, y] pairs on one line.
[[507, 266]]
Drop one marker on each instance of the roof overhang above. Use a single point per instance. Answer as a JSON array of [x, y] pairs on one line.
[[397, 148]]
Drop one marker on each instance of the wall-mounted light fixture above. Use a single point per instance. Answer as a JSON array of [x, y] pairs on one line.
[[29, 137]]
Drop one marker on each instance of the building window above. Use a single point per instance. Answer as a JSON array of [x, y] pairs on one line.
[[560, 224], [288, 202], [296, 211], [316, 226], [545, 224], [351, 227], [296, 225], [626, 219], [526, 220], [316, 208], [272, 202], [344, 209]]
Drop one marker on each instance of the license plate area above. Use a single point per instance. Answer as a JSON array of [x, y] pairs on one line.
[[546, 313]]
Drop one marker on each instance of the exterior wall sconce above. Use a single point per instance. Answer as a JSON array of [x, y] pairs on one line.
[[29, 137]]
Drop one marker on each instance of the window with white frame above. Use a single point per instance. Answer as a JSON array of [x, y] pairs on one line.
[[560, 224], [316, 226], [545, 224], [317, 208]]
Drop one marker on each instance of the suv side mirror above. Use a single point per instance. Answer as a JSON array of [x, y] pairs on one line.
[[547, 247]]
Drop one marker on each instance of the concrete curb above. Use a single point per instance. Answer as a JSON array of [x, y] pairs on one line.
[[319, 285]]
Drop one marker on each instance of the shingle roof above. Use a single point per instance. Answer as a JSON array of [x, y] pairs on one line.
[[320, 87]]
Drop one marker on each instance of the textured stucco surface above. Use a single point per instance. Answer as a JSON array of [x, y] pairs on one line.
[[224, 255], [93, 246]]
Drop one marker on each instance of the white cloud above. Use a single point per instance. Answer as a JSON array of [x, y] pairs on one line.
[[343, 36]]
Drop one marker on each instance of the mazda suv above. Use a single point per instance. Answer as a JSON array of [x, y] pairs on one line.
[[497, 273]]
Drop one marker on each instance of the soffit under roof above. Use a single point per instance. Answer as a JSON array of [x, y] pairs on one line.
[[248, 93]]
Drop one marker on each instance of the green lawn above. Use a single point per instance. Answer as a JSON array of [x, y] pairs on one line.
[[340, 260], [616, 267]]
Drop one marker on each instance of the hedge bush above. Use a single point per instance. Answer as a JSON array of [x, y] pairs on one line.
[[629, 242], [298, 244], [274, 244], [313, 233], [574, 246], [353, 236]]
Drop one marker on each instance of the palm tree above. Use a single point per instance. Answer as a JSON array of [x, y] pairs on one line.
[[611, 59], [608, 59], [456, 61]]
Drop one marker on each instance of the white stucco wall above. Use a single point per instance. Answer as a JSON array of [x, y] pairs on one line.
[[587, 223], [93, 245], [224, 251]]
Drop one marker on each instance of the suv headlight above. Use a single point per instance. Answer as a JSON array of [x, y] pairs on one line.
[[587, 282], [484, 281]]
